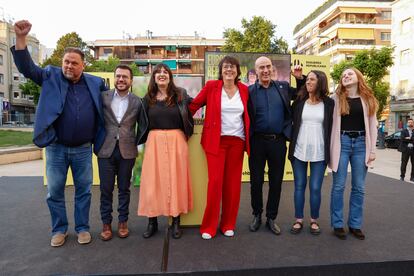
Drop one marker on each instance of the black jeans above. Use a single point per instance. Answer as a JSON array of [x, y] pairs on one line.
[[408, 154], [108, 169], [272, 150]]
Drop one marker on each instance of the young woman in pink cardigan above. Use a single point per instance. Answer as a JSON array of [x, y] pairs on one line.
[[354, 134]]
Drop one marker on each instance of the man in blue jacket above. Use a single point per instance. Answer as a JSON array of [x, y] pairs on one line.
[[69, 120], [271, 123]]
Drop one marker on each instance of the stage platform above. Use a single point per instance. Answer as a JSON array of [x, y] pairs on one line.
[[388, 249]]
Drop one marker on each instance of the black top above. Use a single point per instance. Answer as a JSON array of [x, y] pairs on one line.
[[78, 122], [355, 119], [161, 116]]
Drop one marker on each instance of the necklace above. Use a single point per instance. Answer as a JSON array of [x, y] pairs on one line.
[[230, 91], [160, 96]]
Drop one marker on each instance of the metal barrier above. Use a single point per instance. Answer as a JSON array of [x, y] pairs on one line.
[[17, 120]]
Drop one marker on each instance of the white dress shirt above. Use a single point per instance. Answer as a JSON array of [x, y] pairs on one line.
[[119, 105]]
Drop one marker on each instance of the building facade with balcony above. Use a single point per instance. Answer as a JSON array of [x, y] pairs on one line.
[[19, 105], [401, 73], [183, 54], [339, 28]]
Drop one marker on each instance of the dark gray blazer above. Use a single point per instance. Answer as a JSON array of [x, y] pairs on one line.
[[126, 129]]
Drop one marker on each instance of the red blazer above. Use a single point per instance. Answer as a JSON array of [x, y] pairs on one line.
[[210, 96]]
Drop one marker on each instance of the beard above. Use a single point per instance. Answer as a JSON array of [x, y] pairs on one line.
[[122, 87], [69, 75]]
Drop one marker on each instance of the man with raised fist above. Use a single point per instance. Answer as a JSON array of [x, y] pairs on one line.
[[69, 120]]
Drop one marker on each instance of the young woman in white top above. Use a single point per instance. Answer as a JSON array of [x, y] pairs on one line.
[[310, 141]]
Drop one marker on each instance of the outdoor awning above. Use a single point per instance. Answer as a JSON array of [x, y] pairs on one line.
[[358, 10], [155, 61], [170, 48], [329, 36], [141, 62], [356, 34], [170, 63]]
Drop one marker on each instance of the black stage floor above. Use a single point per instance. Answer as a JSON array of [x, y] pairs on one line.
[[388, 249]]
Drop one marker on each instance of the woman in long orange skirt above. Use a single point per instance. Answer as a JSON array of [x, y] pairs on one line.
[[165, 179]]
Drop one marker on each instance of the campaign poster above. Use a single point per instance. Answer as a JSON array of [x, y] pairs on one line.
[[280, 62]]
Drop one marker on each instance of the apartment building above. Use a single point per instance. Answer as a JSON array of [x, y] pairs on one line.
[[339, 28], [183, 54], [3, 69], [19, 104], [401, 73]]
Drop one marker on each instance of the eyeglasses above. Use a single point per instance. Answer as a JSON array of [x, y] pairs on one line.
[[229, 66]]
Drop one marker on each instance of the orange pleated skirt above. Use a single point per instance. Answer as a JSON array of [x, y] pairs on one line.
[[165, 188]]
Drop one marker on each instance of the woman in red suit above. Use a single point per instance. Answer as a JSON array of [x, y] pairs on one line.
[[225, 138]]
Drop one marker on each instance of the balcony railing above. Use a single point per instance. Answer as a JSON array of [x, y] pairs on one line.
[[346, 42], [141, 56], [338, 21]]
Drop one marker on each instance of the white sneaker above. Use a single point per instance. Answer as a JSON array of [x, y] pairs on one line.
[[206, 236], [229, 233]]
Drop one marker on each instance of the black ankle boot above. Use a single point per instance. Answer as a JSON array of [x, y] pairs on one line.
[[175, 228], [152, 227]]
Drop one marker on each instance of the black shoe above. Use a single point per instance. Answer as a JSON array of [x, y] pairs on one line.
[[152, 228], [255, 224], [402, 178], [175, 228], [340, 233], [272, 226], [357, 233]]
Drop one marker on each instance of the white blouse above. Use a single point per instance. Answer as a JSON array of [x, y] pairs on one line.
[[310, 142], [232, 115]]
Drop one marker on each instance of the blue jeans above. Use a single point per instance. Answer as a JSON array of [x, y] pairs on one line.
[[352, 151], [300, 171], [58, 160]]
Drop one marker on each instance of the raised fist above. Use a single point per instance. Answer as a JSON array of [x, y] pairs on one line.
[[22, 27]]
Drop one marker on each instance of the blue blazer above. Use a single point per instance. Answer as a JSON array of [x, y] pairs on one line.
[[53, 96]]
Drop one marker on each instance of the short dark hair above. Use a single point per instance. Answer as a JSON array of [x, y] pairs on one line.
[[76, 51], [232, 61], [250, 72], [410, 119], [125, 67]]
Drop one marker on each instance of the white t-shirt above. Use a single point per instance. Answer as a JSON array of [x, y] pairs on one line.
[[310, 145], [232, 115]]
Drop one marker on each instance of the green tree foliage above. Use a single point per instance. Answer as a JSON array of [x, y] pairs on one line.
[[258, 35], [110, 65], [374, 65], [68, 40], [103, 65], [135, 70], [31, 88]]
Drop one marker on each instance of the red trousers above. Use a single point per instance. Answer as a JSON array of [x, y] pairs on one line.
[[224, 184]]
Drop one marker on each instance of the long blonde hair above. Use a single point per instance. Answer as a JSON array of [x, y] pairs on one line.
[[364, 91]]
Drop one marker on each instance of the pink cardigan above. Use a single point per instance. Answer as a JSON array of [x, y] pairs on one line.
[[370, 134]]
